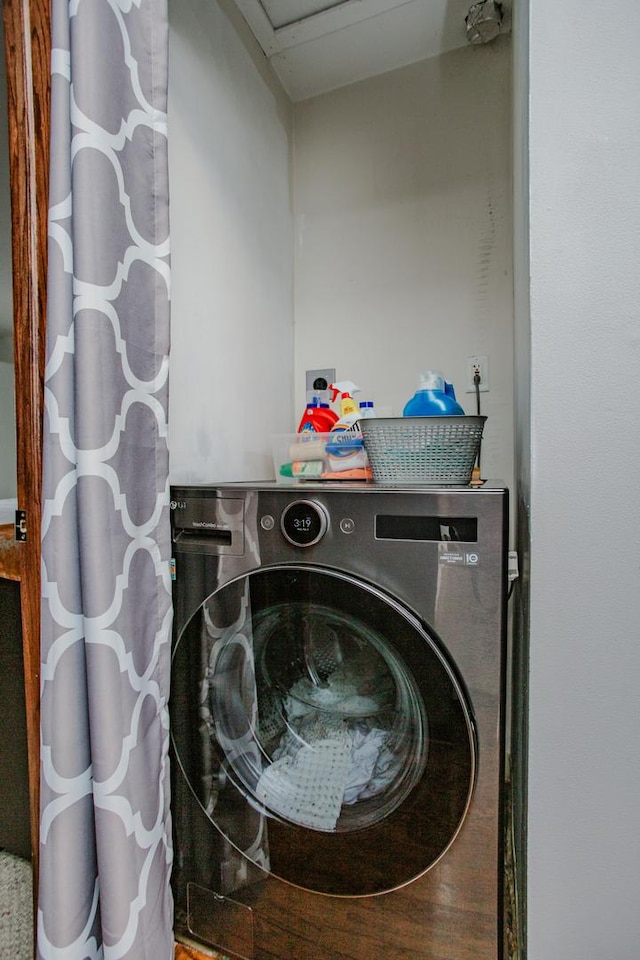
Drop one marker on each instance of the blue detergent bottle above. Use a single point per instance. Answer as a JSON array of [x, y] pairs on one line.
[[433, 398]]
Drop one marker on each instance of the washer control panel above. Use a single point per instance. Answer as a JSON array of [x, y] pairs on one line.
[[304, 523]]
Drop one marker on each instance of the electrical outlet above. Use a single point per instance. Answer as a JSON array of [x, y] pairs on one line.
[[313, 375], [477, 365]]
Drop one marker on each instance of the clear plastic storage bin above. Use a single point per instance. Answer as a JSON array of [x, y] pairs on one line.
[[320, 456]]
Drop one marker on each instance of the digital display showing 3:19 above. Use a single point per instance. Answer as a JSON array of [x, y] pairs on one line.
[[304, 523]]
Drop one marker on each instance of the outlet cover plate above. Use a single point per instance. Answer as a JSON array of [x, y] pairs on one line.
[[312, 375], [481, 364]]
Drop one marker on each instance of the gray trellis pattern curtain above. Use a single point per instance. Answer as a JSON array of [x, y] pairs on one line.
[[105, 832]]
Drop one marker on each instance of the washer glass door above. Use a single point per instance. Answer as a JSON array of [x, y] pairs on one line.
[[322, 704]]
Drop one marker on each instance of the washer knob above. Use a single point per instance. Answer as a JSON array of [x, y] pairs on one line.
[[304, 522]]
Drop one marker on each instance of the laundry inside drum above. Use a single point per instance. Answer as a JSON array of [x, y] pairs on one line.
[[340, 725]]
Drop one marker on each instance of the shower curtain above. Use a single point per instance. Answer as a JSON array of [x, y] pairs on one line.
[[105, 833]]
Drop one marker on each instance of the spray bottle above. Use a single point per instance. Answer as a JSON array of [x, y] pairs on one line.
[[345, 448], [349, 410]]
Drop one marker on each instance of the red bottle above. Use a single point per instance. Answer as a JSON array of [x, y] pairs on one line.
[[317, 418]]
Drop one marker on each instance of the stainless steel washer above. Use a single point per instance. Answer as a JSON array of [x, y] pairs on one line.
[[337, 720]]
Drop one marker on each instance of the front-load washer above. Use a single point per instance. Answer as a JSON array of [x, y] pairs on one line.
[[337, 720]]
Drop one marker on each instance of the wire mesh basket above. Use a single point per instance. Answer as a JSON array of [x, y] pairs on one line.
[[426, 450]]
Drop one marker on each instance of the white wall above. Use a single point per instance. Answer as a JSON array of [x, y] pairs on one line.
[[584, 771], [404, 234], [402, 241], [232, 254]]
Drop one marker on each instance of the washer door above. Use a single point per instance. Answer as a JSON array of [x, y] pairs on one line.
[[319, 703]]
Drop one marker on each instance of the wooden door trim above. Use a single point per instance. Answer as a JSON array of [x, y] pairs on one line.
[[27, 27]]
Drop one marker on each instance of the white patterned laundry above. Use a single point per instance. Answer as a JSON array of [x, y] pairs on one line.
[[308, 787]]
